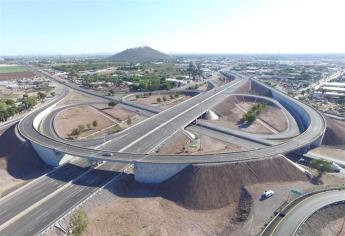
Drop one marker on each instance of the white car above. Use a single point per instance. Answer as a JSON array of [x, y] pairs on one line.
[[335, 167], [268, 193]]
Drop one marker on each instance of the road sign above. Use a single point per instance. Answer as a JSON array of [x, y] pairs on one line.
[[296, 192]]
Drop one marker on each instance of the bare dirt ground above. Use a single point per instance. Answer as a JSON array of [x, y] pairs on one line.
[[274, 117], [117, 112], [337, 153], [174, 145], [335, 133], [204, 87], [200, 200], [230, 116], [16, 75], [152, 100], [262, 210], [329, 221], [69, 119], [19, 163], [181, 144], [144, 213], [77, 97], [231, 119], [209, 145]]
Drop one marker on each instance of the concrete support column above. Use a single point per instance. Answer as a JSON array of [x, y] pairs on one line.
[[152, 173]]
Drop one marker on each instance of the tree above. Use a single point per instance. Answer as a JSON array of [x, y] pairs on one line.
[[9, 102], [112, 103], [322, 166], [94, 123], [78, 222], [52, 94], [75, 132], [129, 120], [158, 99], [29, 102], [3, 114], [249, 117], [81, 128], [41, 96], [164, 98], [12, 110]]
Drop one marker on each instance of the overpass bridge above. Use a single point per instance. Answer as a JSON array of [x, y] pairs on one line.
[[134, 144]]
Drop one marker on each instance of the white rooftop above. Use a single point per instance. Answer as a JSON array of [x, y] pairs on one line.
[[333, 84], [334, 89]]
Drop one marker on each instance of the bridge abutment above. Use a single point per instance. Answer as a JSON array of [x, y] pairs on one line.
[[151, 173], [50, 156]]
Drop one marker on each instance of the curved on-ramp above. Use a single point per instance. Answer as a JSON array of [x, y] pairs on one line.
[[296, 216]]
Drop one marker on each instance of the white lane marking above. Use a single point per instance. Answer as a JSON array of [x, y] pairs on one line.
[[36, 204], [173, 118]]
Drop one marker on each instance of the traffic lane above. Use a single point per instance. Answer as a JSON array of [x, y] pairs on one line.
[[183, 119], [290, 223], [135, 131], [225, 137], [27, 196], [51, 210], [155, 121]]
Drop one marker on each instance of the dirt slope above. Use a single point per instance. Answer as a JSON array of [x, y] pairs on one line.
[[216, 186], [18, 157], [335, 132]]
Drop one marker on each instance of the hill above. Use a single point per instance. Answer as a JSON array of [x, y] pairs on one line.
[[139, 54]]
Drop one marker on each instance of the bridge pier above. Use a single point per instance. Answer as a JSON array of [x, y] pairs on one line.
[[152, 173]]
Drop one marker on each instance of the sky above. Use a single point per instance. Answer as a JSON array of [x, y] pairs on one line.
[[30, 27]]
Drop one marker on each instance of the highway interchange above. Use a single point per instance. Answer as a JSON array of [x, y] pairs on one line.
[[160, 126], [51, 196]]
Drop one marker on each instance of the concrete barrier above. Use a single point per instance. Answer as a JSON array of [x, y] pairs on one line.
[[48, 156]]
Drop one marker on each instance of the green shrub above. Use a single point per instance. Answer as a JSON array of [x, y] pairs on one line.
[[78, 223]]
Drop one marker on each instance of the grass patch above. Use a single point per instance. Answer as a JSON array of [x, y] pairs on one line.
[[12, 69]]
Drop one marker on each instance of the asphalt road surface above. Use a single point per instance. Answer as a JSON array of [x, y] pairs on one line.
[[290, 224]]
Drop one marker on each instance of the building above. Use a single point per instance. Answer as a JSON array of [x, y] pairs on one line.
[[330, 90]]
